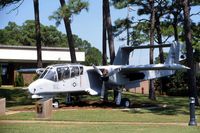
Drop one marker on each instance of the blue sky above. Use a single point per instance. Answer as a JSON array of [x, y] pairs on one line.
[[87, 25]]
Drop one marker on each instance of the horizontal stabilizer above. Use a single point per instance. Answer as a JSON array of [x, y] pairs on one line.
[[122, 57]]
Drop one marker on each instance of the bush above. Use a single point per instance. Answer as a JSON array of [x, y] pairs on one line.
[[176, 85], [19, 80]]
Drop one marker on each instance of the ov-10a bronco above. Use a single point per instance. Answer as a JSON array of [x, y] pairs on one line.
[[95, 80]]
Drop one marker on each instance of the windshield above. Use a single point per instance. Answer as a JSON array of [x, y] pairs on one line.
[[45, 71], [49, 74]]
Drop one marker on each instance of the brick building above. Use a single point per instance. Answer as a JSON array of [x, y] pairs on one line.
[[13, 58], [142, 89]]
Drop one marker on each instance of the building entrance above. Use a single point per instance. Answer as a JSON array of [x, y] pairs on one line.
[[7, 74]]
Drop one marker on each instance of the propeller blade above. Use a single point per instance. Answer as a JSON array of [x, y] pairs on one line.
[[97, 70], [103, 90]]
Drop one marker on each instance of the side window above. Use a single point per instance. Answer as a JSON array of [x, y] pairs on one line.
[[66, 73], [74, 71], [59, 72], [81, 70]]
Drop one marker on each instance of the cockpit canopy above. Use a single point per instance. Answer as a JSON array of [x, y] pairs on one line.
[[61, 72]]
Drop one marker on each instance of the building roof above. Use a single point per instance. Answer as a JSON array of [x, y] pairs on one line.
[[29, 54]]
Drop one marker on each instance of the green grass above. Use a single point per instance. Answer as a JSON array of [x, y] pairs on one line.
[[68, 128], [176, 111], [102, 115]]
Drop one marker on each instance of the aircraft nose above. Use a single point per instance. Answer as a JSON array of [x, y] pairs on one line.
[[32, 88]]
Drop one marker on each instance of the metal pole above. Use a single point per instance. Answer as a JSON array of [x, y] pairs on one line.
[[192, 121]]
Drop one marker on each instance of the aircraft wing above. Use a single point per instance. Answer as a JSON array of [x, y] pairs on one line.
[[150, 71], [31, 70], [133, 68], [137, 69], [27, 70]]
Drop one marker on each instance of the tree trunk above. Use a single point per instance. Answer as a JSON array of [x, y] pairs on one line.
[[159, 37], [152, 19], [127, 31], [175, 25], [69, 35], [104, 55], [37, 33], [161, 54], [190, 60], [109, 30]]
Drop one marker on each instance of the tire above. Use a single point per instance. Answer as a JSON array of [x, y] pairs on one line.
[[126, 103], [55, 104]]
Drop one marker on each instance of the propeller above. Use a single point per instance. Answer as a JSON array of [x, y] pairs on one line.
[[97, 70], [104, 77]]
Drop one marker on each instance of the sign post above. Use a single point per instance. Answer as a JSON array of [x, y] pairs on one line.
[[2, 106], [44, 108]]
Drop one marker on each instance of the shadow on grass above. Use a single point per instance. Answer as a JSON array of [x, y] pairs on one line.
[[164, 105]]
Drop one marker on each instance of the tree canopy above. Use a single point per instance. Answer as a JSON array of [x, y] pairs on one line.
[[51, 37]]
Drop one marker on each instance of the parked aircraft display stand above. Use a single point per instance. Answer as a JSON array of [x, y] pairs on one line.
[[44, 108], [2, 106]]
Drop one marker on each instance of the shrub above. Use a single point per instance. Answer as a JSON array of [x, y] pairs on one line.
[[176, 85], [19, 80]]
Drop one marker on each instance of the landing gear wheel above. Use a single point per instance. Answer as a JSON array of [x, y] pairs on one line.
[[126, 103], [55, 104]]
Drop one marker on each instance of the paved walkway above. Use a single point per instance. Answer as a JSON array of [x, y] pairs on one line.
[[87, 123]]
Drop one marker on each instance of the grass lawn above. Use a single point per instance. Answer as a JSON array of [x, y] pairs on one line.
[[64, 128], [106, 115], [168, 110]]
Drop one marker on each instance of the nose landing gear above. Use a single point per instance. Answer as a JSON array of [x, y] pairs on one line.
[[55, 104]]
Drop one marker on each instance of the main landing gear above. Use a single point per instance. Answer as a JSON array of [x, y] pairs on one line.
[[125, 102], [119, 101]]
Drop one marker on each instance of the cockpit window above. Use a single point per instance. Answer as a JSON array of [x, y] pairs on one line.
[[42, 75], [49, 74], [63, 73], [59, 72], [81, 70], [66, 74], [74, 71]]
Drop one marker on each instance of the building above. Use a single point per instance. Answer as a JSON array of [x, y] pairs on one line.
[[13, 58], [143, 88]]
